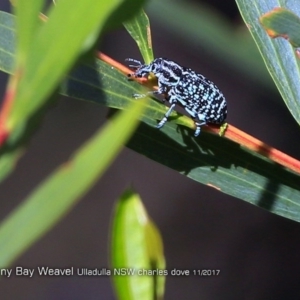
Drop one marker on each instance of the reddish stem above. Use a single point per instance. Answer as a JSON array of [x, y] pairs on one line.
[[250, 142], [6, 108]]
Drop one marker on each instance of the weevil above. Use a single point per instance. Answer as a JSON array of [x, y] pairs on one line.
[[200, 97]]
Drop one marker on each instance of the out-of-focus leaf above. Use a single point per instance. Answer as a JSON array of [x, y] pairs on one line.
[[45, 54], [126, 11], [139, 29], [199, 27], [136, 248], [53, 51], [156, 254], [27, 26], [54, 197], [278, 54]]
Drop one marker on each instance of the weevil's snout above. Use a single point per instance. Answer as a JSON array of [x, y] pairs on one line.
[[138, 65], [141, 72], [134, 75]]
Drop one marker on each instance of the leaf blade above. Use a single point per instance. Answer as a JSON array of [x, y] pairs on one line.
[[53, 198], [27, 25], [139, 28], [278, 55], [136, 245], [37, 83]]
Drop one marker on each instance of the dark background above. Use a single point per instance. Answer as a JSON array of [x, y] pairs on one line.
[[257, 252]]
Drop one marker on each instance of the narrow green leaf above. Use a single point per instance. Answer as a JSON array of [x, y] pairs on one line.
[[201, 27], [137, 250], [222, 165], [54, 197], [281, 22], [54, 49], [139, 28], [156, 255], [7, 42], [27, 24], [278, 54], [51, 53], [126, 11]]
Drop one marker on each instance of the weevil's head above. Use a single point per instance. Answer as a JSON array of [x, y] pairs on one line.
[[140, 69], [136, 67]]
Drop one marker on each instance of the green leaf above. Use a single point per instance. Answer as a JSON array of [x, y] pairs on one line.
[[156, 254], [136, 247], [208, 159], [53, 51], [126, 11], [46, 52], [27, 25], [223, 165], [54, 197], [278, 54], [139, 28], [199, 26], [7, 42], [281, 22]]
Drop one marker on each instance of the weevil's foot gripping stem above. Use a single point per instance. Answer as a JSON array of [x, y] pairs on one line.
[[166, 116], [198, 127], [198, 130]]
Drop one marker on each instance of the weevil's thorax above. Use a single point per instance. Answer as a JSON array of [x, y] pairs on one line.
[[167, 72]]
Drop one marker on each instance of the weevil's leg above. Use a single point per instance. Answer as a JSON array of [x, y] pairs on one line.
[[138, 63], [166, 98], [158, 92], [150, 93], [162, 89], [198, 127], [198, 119], [139, 96], [165, 118]]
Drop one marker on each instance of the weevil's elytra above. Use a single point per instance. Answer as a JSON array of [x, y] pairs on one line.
[[199, 96]]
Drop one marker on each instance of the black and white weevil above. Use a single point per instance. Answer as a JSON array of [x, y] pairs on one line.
[[200, 97]]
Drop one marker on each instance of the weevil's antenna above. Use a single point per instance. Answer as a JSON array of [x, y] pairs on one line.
[[138, 63]]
